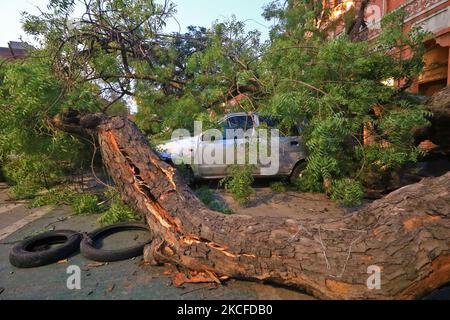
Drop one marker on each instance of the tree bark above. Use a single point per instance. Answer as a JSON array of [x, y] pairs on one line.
[[406, 234]]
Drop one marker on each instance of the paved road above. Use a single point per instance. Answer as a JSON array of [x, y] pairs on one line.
[[120, 280]]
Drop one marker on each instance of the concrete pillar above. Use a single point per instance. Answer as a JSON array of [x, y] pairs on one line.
[[444, 41]]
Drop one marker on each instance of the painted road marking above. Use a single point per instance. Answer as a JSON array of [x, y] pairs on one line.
[[6, 232]]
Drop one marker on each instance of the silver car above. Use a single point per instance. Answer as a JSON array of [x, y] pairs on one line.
[[291, 151]]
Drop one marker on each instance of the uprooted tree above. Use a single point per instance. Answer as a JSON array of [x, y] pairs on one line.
[[406, 235], [117, 48]]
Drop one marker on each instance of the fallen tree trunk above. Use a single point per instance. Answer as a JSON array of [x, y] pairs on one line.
[[406, 234]]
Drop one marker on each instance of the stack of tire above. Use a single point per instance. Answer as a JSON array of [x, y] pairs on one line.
[[40, 250]]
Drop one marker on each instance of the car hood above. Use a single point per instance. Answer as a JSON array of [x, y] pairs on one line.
[[177, 148]]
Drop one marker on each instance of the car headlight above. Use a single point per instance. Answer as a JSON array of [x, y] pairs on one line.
[[165, 156]]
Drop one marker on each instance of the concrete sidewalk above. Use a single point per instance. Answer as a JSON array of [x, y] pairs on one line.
[[15, 214]]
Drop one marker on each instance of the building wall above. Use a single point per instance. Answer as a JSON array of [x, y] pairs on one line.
[[433, 16], [15, 50]]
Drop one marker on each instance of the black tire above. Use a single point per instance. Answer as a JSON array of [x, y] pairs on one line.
[[296, 173], [187, 174], [89, 251], [23, 256]]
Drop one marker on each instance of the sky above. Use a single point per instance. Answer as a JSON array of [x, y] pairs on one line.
[[190, 12]]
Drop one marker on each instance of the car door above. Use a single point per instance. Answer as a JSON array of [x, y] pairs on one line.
[[237, 145], [226, 147], [290, 153], [290, 146]]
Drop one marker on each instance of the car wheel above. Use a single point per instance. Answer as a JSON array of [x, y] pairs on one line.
[[297, 172], [187, 174], [90, 251], [37, 251]]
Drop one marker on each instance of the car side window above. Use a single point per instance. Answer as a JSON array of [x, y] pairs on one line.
[[273, 122], [239, 122], [270, 122]]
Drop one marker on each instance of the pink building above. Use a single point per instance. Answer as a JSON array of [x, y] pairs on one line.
[[431, 15]]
